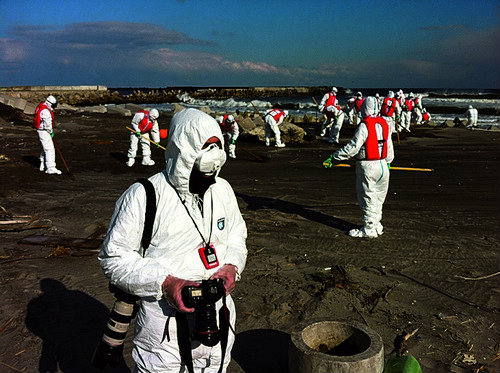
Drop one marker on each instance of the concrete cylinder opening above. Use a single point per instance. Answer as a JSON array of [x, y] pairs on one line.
[[333, 346]]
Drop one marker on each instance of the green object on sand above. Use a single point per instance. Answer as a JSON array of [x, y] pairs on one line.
[[402, 364]]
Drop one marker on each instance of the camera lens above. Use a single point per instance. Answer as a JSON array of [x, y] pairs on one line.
[[110, 348], [206, 330]]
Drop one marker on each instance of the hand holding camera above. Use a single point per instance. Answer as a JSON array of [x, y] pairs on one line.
[[172, 287], [227, 273]]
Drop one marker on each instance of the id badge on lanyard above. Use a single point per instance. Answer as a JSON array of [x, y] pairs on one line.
[[208, 256]]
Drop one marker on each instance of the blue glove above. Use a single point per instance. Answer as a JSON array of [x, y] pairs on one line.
[[52, 134], [327, 163], [389, 166], [233, 141], [157, 144], [138, 134]]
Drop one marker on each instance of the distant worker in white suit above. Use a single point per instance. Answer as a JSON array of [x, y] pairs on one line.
[[329, 106], [44, 123], [406, 113], [143, 123], [426, 116], [417, 109], [388, 110], [472, 115], [230, 131], [273, 118], [372, 147]]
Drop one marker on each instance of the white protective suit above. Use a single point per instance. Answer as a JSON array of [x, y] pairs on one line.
[[230, 134], [272, 127], [174, 245], [145, 144], [372, 177], [405, 116], [48, 154], [336, 124], [472, 115], [417, 109], [390, 119]]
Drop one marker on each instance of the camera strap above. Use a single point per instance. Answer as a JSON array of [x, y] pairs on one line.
[[205, 242], [149, 219]]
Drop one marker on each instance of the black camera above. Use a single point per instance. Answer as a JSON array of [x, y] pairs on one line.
[[203, 298], [109, 351]]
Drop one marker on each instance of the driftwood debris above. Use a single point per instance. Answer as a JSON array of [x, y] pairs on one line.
[[71, 242]]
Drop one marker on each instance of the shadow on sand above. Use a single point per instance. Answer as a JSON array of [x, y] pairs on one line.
[[262, 350], [258, 203], [70, 324]]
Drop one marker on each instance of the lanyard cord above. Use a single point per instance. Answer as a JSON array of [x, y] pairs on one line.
[[195, 225]]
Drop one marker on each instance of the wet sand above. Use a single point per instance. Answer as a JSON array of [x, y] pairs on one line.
[[427, 271]]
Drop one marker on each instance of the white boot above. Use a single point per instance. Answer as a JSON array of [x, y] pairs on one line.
[[280, 145], [268, 141], [380, 229], [53, 171], [363, 233], [130, 162], [42, 165], [146, 161], [232, 151]]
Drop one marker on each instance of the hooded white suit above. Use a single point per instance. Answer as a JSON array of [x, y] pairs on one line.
[[372, 177], [174, 245], [48, 153]]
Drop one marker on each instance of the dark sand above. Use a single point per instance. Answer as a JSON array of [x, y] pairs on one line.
[[438, 226]]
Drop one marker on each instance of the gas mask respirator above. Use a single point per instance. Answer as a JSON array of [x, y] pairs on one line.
[[211, 160]]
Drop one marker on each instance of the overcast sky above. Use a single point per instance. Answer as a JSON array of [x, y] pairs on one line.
[[162, 43]]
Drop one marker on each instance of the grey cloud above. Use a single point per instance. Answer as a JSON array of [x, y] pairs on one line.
[[121, 34]]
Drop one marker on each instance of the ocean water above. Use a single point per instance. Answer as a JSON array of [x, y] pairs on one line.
[[443, 104]]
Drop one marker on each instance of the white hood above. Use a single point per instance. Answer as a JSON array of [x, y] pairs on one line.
[[369, 107], [189, 130]]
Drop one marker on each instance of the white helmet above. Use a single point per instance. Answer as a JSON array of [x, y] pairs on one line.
[[411, 95], [359, 94], [391, 94], [153, 114], [334, 89], [230, 118], [286, 112], [52, 100]]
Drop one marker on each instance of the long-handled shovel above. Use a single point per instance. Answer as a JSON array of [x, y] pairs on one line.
[[151, 141], [60, 154], [392, 167]]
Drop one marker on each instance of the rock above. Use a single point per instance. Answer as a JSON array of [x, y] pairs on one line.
[[448, 123], [95, 109], [119, 110], [206, 110], [292, 133], [29, 109], [134, 108], [177, 107], [246, 124]]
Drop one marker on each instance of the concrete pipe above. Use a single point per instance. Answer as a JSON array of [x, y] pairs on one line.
[[333, 346]]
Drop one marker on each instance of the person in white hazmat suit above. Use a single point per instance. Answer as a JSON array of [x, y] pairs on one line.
[[44, 123], [471, 115], [143, 123], [388, 110], [417, 109], [230, 131], [195, 209], [329, 106], [273, 118], [372, 147]]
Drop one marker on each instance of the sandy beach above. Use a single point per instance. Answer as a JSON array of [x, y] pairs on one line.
[[433, 269]]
